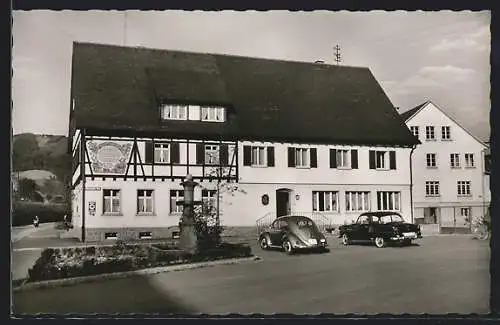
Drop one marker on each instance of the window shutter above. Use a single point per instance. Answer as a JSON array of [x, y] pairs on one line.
[[354, 159], [174, 153], [247, 155], [223, 154], [270, 156], [333, 158], [200, 154], [372, 159], [291, 157], [149, 152], [314, 157], [392, 159]]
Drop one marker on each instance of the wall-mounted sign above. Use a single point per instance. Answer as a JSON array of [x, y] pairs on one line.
[[92, 206], [109, 157], [90, 188], [265, 199]]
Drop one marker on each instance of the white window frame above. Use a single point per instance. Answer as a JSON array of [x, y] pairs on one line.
[[174, 112], [163, 150], [142, 195], [464, 188], [414, 130], [174, 208], [330, 201], [114, 195], [432, 188], [210, 197], [353, 200], [430, 133], [469, 160], [391, 201], [302, 158], [212, 154], [430, 160], [258, 156], [382, 160], [212, 114], [343, 158], [455, 160], [445, 133]]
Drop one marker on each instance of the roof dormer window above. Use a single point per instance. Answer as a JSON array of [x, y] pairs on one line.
[[212, 113], [173, 112]]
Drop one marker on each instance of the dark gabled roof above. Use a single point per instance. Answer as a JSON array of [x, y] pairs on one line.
[[120, 88], [409, 113]]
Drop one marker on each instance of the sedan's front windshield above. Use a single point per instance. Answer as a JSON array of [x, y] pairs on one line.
[[388, 218]]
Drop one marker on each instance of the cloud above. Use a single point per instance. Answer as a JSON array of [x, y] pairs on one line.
[[478, 40], [430, 78]]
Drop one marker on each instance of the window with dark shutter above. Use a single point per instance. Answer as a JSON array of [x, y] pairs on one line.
[[247, 155], [270, 156], [314, 158], [354, 159], [392, 159], [200, 154], [174, 153], [224, 155], [372, 159], [333, 158], [149, 152], [291, 157]]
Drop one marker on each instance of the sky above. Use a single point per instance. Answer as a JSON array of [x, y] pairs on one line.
[[441, 56]]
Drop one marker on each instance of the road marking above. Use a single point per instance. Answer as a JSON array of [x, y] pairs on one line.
[[28, 249]]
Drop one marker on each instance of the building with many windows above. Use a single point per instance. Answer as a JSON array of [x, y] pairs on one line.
[[450, 186], [262, 137]]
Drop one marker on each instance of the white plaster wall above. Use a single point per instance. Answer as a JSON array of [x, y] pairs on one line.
[[76, 206], [323, 174], [461, 143], [246, 208]]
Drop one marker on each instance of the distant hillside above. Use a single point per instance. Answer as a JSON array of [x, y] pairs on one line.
[[43, 159], [41, 152]]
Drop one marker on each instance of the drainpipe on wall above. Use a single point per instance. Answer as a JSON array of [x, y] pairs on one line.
[[411, 183], [82, 173], [483, 175]]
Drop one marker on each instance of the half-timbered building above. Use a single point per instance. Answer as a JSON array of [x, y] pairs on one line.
[[288, 136]]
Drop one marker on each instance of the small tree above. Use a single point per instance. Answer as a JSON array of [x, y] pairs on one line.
[[208, 229]]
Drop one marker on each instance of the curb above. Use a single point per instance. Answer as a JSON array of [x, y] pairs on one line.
[[149, 271]]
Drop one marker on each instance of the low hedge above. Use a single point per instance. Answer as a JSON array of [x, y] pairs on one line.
[[24, 212], [84, 261]]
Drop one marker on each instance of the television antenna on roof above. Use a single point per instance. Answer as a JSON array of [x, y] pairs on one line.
[[338, 57]]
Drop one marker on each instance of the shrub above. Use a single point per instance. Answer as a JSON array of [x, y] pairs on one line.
[[24, 212], [208, 230]]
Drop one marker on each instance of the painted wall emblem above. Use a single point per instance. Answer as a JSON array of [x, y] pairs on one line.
[[265, 199], [92, 205], [109, 157]]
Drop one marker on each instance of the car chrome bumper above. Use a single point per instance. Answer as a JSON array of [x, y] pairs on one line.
[[401, 238]]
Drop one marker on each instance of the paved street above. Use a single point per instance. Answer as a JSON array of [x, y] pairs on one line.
[[444, 274]]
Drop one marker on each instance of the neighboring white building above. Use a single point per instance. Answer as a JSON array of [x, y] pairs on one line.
[[294, 137], [449, 181]]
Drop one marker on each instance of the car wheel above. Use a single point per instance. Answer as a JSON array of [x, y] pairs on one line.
[[345, 240], [287, 247], [263, 243], [379, 242]]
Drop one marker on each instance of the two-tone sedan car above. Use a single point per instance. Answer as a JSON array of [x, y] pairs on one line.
[[291, 234], [380, 228]]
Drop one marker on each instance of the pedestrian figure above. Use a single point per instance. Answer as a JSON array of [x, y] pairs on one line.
[[36, 221], [66, 223]]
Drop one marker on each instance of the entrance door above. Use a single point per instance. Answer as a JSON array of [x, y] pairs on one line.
[[282, 202], [431, 215]]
